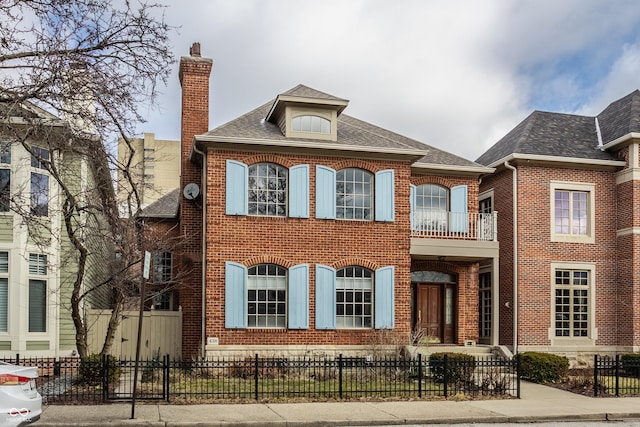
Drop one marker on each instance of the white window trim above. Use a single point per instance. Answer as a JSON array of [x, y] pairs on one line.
[[488, 194], [573, 186], [48, 300], [593, 331]]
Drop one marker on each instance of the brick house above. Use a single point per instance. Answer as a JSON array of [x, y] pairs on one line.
[[566, 187], [313, 230]]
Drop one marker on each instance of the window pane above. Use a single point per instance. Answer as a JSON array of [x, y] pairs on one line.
[[314, 124], [572, 303], [162, 267], [267, 192], [571, 212], [37, 306], [431, 207], [353, 194], [37, 264], [39, 158], [39, 194], [5, 189], [5, 152], [4, 262], [354, 290], [4, 303], [266, 296]]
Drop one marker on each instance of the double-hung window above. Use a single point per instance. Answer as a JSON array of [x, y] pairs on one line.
[[37, 293], [572, 212], [354, 297], [572, 303], [266, 296], [4, 291]]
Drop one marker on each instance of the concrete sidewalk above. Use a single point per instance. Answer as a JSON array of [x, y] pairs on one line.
[[538, 403]]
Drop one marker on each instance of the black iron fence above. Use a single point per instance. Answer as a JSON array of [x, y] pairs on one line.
[[616, 376], [254, 378]]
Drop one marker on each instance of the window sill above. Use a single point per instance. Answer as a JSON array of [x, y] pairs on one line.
[[267, 330]]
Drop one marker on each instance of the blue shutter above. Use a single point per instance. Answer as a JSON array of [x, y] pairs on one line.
[[325, 192], [325, 297], [299, 191], [298, 297], [384, 304], [384, 200], [458, 217], [235, 295], [236, 188], [412, 204]]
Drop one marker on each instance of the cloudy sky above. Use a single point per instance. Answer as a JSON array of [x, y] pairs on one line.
[[453, 74]]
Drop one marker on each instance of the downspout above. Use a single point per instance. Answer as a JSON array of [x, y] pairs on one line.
[[203, 332], [515, 255]]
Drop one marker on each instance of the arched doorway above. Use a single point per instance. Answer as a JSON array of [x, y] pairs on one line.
[[435, 306]]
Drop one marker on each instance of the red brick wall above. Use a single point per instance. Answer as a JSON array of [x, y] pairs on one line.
[[628, 201], [194, 78], [502, 184], [536, 252], [289, 241]]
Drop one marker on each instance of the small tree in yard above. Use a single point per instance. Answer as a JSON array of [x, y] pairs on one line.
[[75, 74]]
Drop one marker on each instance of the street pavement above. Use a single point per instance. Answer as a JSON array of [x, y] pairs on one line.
[[537, 403]]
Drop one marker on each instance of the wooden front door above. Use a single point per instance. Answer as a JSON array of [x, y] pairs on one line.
[[436, 312]]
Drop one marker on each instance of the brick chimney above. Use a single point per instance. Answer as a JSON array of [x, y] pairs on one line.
[[194, 78]]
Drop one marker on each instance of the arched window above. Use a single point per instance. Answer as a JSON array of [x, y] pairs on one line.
[[432, 204], [266, 296], [267, 192], [354, 194], [313, 124], [354, 298]]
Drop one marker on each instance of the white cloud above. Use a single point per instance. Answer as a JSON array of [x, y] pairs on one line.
[[454, 74]]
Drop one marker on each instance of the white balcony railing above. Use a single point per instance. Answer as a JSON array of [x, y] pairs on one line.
[[454, 225]]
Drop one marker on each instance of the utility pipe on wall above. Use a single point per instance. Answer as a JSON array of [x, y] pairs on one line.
[[515, 255]]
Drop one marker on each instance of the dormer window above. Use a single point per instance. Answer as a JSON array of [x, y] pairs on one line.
[[313, 124]]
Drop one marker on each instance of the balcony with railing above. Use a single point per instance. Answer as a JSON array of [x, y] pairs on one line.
[[461, 235]]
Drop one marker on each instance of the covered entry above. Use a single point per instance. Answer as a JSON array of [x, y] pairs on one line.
[[435, 308]]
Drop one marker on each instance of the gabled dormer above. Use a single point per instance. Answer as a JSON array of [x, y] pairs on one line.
[[306, 113]]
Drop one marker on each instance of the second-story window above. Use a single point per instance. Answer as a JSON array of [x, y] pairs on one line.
[[39, 194], [39, 182], [5, 189], [267, 192], [354, 194], [432, 203]]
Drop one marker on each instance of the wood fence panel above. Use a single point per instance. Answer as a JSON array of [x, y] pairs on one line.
[[161, 333]]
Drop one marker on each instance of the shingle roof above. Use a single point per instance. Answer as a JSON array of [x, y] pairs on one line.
[[351, 132], [620, 118], [567, 135], [165, 207], [549, 134], [307, 92]]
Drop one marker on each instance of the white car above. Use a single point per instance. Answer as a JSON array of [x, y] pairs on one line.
[[20, 402]]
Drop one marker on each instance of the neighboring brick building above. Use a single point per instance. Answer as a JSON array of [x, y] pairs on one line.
[[315, 230], [569, 241]]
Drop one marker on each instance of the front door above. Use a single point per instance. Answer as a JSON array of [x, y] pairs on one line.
[[435, 312]]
